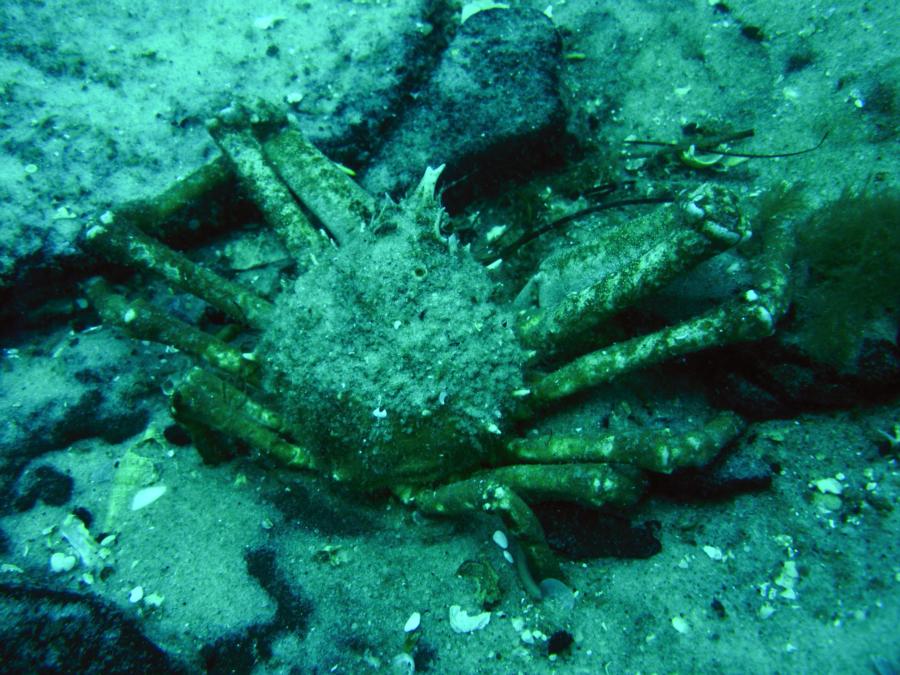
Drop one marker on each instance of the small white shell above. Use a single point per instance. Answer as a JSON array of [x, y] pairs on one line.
[[681, 625], [461, 622], [714, 552], [500, 539], [60, 562], [412, 622], [147, 496]]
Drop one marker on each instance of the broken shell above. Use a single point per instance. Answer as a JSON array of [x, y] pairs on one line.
[[136, 594], [461, 622], [828, 486]]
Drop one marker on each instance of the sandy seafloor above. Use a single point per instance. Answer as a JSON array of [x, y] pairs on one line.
[[243, 569]]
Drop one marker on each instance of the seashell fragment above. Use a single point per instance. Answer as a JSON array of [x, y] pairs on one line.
[[147, 496], [461, 622]]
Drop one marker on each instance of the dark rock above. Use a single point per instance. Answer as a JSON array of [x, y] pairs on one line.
[[85, 516], [43, 483], [424, 656], [719, 609], [560, 642], [490, 112], [775, 379], [177, 435], [582, 532], [51, 631]]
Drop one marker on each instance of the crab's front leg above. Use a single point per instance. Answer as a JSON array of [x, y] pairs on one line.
[[700, 225], [504, 491], [750, 316], [143, 321]]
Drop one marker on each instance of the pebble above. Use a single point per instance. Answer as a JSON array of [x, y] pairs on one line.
[[136, 594], [681, 625]]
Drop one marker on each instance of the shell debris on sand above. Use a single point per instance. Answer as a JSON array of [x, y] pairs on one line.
[[461, 622], [413, 622], [147, 496]]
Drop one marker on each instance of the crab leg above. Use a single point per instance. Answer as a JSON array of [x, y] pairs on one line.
[[265, 188], [503, 491], [659, 451], [731, 322], [704, 223], [323, 187], [143, 321], [204, 400], [125, 244], [751, 316], [480, 495], [150, 214]]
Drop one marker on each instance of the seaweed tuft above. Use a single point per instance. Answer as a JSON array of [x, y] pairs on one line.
[[852, 251]]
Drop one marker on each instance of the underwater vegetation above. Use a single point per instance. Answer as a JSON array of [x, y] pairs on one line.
[[851, 249]]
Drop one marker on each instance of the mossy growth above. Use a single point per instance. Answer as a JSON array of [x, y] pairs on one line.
[[851, 248]]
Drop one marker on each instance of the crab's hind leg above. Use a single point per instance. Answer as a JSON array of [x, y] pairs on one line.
[[323, 187], [280, 170], [235, 138]]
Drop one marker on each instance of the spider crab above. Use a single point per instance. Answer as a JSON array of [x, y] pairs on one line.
[[387, 364]]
